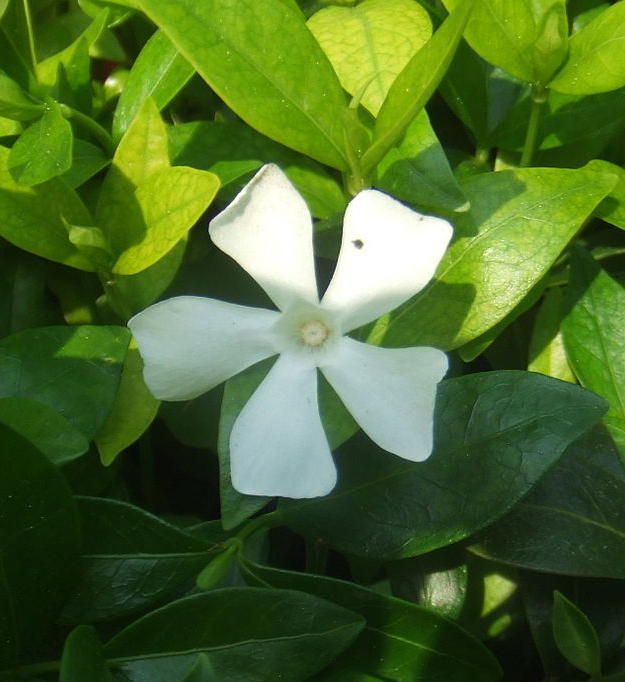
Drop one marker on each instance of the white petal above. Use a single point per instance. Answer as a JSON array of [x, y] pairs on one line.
[[278, 445], [388, 253], [390, 392], [191, 344], [267, 229]]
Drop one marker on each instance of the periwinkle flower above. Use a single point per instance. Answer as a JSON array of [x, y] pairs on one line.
[[278, 445]]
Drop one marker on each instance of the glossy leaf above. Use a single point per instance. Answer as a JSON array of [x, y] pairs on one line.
[[38, 522], [35, 218], [271, 640], [15, 104], [593, 332], [83, 658], [241, 51], [594, 63], [415, 85], [498, 432], [401, 642], [72, 370], [159, 72], [370, 43], [519, 222], [132, 411], [131, 561], [575, 636], [577, 507]]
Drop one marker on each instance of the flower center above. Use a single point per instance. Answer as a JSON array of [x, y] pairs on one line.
[[314, 333]]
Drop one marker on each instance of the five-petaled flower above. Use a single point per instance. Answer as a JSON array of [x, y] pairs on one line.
[[278, 445]]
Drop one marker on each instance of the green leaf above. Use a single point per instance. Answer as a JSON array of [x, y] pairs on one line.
[[414, 85], [202, 671], [417, 171], [50, 432], [575, 636], [370, 43], [159, 72], [15, 103], [82, 657], [551, 43], [34, 218], [265, 64], [131, 560], [578, 506], [232, 151], [511, 31], [72, 370], [171, 201], [498, 432], [401, 642], [132, 412], [87, 160], [272, 640], [39, 541], [546, 351], [593, 331], [595, 61], [612, 208], [519, 223]]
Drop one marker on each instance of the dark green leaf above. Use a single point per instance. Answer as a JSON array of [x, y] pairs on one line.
[[497, 432], [593, 333], [575, 636], [82, 658], [15, 103], [578, 507], [266, 65], [72, 370], [401, 642], [250, 634], [39, 542]]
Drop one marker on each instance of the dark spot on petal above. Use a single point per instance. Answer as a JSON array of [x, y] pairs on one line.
[[358, 243]]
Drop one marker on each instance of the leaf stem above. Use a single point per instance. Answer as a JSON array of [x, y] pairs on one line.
[[31, 36], [539, 96], [92, 126], [316, 556], [265, 521], [114, 296]]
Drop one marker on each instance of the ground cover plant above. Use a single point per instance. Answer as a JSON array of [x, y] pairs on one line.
[[291, 491]]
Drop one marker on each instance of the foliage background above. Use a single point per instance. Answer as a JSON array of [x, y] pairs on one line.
[[125, 554]]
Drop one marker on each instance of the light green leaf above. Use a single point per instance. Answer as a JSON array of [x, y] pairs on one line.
[[133, 410], [38, 522], [519, 223], [265, 64], [612, 208], [15, 103], [511, 30], [496, 432], [593, 333], [33, 217], [415, 85], [159, 72], [595, 62], [546, 351], [551, 43], [82, 657], [170, 201], [575, 636], [48, 430], [413, 642], [370, 43]]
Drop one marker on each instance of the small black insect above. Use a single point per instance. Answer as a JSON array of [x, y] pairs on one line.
[[358, 243]]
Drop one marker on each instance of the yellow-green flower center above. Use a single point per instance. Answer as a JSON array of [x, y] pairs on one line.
[[314, 333]]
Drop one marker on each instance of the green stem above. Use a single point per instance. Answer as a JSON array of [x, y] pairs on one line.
[[31, 36], [539, 96], [114, 296], [29, 671], [316, 556], [92, 126], [146, 470], [265, 521], [482, 155]]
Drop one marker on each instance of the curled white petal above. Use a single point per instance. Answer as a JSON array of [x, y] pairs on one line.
[[267, 229], [388, 253], [191, 344], [390, 392], [278, 445]]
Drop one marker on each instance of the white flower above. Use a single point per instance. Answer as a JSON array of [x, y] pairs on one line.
[[191, 344]]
